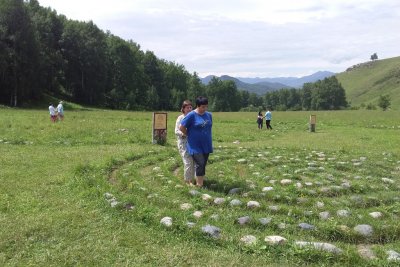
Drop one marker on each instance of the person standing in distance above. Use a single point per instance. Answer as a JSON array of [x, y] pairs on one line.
[[268, 118], [197, 126], [188, 163], [60, 111], [53, 115], [260, 120]]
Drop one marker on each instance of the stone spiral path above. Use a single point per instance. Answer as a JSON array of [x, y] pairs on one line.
[[337, 203]]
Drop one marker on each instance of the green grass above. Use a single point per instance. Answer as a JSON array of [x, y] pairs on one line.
[[54, 176], [367, 82]]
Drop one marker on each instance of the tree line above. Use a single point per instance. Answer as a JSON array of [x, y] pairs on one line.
[[44, 53]]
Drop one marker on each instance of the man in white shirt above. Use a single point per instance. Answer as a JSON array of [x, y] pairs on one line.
[[53, 115], [60, 111]]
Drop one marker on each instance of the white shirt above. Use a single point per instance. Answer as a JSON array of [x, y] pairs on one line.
[[60, 108], [52, 110]]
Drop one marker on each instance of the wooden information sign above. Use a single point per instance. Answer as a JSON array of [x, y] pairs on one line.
[[159, 128], [313, 122]]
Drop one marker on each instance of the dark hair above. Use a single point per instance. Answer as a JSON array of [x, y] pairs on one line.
[[185, 104], [201, 100], [259, 113]]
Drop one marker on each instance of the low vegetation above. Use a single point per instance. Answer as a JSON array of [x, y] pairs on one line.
[[93, 189]]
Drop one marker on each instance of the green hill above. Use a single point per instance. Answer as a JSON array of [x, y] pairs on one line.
[[365, 82]]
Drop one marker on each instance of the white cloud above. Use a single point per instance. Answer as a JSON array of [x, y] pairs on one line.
[[250, 37]]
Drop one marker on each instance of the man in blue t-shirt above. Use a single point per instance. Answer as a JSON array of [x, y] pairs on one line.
[[197, 126], [268, 118]]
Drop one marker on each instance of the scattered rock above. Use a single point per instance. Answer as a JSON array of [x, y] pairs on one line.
[[190, 224], [267, 188], [343, 213], [324, 215], [306, 226], [253, 204], [242, 160], [264, 221], [275, 239], [320, 204], [194, 192], [286, 181], [198, 214], [244, 220], [235, 191], [186, 206], [393, 255], [320, 246], [235, 202], [376, 214], [166, 221], [206, 197], [211, 230], [364, 229], [387, 180], [366, 252], [249, 239], [219, 200]]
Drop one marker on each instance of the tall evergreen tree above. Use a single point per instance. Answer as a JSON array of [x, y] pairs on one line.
[[19, 54]]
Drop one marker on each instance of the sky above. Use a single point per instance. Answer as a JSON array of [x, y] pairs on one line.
[[249, 38]]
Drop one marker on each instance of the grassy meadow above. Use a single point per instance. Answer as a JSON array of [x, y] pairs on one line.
[[57, 181]]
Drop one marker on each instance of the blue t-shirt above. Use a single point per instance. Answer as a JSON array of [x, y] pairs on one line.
[[268, 115], [198, 132]]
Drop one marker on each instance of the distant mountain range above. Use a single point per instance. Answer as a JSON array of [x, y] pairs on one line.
[[262, 85]]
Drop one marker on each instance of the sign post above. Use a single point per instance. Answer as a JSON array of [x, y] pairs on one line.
[[313, 121], [159, 128]]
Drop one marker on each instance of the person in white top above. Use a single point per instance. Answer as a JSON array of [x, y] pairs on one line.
[[53, 114], [188, 163], [60, 111]]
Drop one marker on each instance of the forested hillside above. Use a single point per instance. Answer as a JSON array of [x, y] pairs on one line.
[[365, 83], [44, 55]]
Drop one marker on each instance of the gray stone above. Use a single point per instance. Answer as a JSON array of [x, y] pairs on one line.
[[219, 200], [275, 240], [273, 208], [264, 221], [376, 214], [286, 181], [364, 229], [366, 252], [253, 204], [167, 221], [186, 206], [190, 224], [320, 246], [206, 197], [211, 230], [194, 192], [242, 160], [244, 220], [306, 226], [249, 239], [387, 180], [267, 188], [324, 215], [235, 191], [197, 214], [320, 204], [235, 202], [343, 213], [393, 255]]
